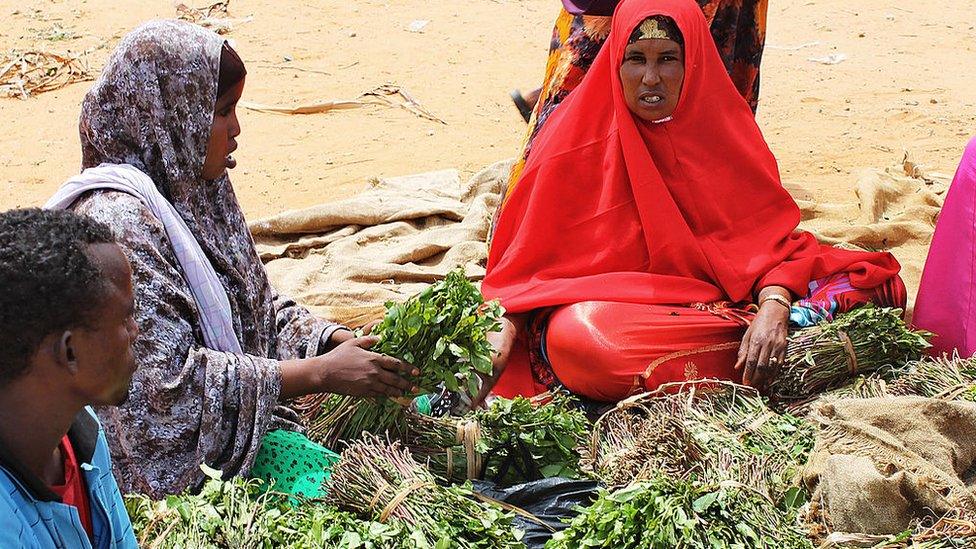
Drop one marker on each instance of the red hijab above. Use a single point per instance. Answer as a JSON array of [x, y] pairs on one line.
[[613, 208]]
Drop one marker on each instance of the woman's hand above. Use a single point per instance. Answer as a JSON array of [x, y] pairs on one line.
[[502, 341], [352, 369], [339, 337], [349, 369], [763, 348]]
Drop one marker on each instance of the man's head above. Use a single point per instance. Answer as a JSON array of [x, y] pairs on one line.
[[66, 306]]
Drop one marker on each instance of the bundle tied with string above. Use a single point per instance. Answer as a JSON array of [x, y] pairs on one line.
[[512, 441], [451, 447], [868, 340], [381, 481]]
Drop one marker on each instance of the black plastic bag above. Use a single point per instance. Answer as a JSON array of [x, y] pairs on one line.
[[553, 501]]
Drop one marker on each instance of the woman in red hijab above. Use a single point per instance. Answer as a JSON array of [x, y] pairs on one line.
[[649, 238]]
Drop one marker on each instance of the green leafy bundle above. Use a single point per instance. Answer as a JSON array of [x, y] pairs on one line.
[[382, 481], [511, 436], [671, 513], [863, 341], [443, 332], [242, 514]]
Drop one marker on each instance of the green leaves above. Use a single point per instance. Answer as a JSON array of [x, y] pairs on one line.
[[542, 435], [703, 503], [443, 331], [243, 514], [551, 433], [671, 513]]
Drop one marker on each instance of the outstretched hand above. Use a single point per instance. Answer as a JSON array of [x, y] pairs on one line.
[[352, 369]]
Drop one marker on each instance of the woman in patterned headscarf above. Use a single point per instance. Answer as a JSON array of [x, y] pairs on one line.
[[218, 349]]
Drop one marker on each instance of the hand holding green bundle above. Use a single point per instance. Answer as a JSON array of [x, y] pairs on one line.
[[443, 331]]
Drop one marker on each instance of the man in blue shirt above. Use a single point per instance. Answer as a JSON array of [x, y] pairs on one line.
[[66, 334]]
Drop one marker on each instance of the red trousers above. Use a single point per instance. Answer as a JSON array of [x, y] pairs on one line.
[[607, 351]]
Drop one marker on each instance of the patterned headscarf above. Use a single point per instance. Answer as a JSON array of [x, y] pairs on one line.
[[153, 107]]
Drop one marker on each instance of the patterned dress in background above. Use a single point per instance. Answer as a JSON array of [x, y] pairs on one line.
[[737, 26]]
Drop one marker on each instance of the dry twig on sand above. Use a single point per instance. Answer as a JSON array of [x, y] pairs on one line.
[[214, 17], [33, 72], [388, 95]]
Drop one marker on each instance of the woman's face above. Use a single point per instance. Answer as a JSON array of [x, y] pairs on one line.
[[225, 128], [652, 73]]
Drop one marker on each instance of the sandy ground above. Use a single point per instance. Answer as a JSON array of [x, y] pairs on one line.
[[906, 84]]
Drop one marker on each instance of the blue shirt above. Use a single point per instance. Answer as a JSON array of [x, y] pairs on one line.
[[32, 516]]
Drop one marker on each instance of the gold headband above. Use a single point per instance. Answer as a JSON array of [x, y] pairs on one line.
[[650, 29]]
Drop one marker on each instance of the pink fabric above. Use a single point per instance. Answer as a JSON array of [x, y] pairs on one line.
[[945, 303]]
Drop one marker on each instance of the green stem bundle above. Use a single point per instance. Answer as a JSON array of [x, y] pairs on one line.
[[863, 341], [542, 434], [714, 431], [943, 377], [382, 482], [334, 418]]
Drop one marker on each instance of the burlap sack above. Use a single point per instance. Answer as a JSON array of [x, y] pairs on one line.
[[345, 259], [896, 210], [881, 463]]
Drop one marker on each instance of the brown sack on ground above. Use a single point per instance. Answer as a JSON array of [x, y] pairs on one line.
[[894, 211], [881, 463], [345, 259]]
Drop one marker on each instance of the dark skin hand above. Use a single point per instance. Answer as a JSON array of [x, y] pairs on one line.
[[392, 382], [383, 375], [350, 368], [502, 341], [763, 347]]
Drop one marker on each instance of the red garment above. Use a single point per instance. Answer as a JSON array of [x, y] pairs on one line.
[[73, 491], [608, 351], [601, 349], [613, 208]]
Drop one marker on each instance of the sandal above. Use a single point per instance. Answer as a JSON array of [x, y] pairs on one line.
[[522, 105]]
